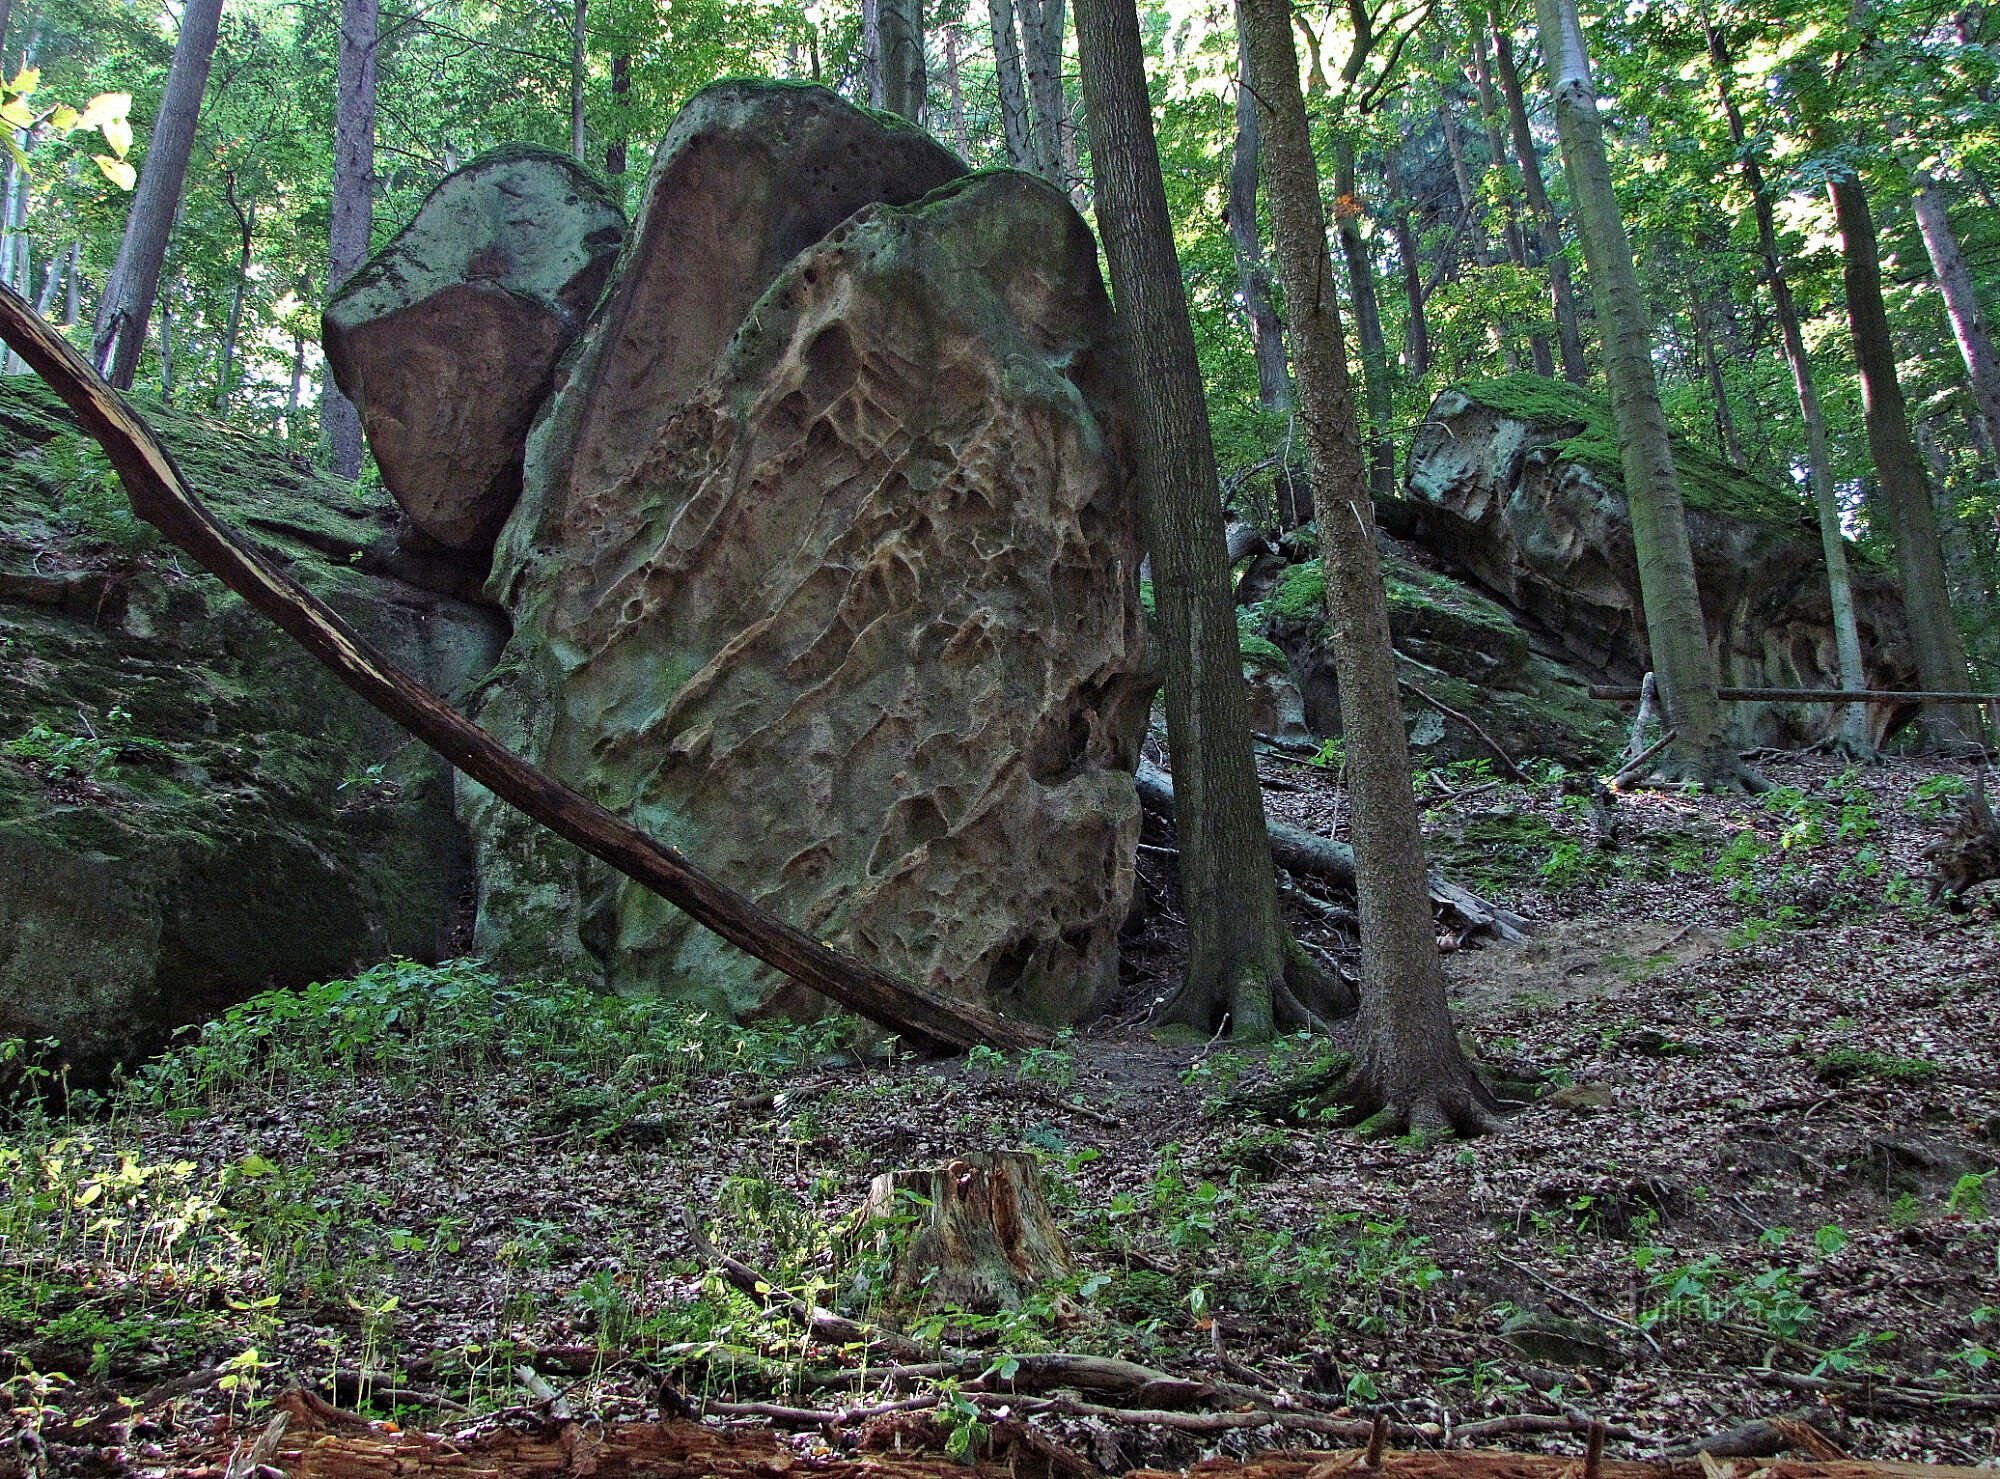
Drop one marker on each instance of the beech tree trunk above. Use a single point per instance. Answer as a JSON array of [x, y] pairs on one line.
[[246, 228], [904, 79], [1417, 339], [578, 37], [1236, 948], [954, 87], [1961, 302], [1481, 72], [126, 304], [1562, 292], [1253, 273], [1674, 629], [1934, 636], [353, 206], [1042, 24], [1367, 319], [1854, 728], [1408, 1063]]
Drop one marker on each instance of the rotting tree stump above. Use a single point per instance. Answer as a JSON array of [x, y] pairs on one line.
[[973, 1234]]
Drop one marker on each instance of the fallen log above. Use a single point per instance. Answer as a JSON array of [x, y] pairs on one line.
[[161, 496], [321, 1442], [1298, 851]]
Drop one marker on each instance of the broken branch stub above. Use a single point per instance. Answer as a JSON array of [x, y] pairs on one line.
[[161, 497]]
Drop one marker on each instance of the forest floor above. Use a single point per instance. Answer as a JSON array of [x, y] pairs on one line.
[[1761, 1183]]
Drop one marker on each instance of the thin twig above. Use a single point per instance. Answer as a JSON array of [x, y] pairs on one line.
[[1583, 1304]]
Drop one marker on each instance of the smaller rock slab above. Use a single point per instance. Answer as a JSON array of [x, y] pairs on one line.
[[447, 340]]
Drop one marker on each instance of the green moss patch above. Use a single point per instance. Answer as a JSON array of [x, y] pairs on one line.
[[1707, 482]]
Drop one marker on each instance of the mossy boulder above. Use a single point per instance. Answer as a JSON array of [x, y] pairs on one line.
[[1460, 647], [191, 809], [1514, 486]]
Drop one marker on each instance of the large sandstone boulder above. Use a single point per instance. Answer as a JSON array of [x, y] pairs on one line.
[[191, 809], [826, 572], [446, 340], [1514, 485]]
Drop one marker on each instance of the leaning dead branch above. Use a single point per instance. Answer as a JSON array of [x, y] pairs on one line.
[[161, 496]]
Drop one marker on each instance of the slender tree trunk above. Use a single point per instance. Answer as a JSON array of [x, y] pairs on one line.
[[1236, 954], [1562, 292], [579, 35], [1042, 42], [1496, 154], [1674, 629], [1253, 274], [1417, 339], [1367, 319], [904, 78], [1702, 312], [51, 280], [166, 353], [73, 286], [1934, 634], [1408, 1062], [353, 206], [293, 399], [1968, 319], [13, 193], [1012, 86], [246, 221], [621, 124], [127, 301], [1854, 732], [871, 50], [954, 86], [1469, 199]]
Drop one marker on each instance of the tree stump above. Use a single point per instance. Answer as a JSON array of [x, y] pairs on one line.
[[973, 1234]]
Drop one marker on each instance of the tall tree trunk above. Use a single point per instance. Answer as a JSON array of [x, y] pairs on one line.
[[1042, 44], [13, 196], [1562, 292], [1469, 199], [1496, 154], [73, 286], [621, 125], [1417, 339], [1934, 634], [1702, 311], [51, 280], [579, 35], [1253, 274], [904, 79], [871, 50], [1367, 318], [127, 301], [954, 89], [1674, 628], [246, 228], [1408, 1062], [353, 206], [166, 353], [1961, 302], [1236, 954], [1012, 86], [1854, 733]]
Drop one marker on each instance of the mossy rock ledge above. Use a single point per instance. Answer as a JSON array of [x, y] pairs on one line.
[[191, 808], [1514, 485]]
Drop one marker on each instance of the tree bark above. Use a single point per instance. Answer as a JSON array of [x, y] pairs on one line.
[[246, 227], [1961, 301], [1010, 83], [1417, 339], [954, 89], [1253, 273], [1347, 211], [1236, 949], [621, 92], [904, 79], [1854, 728], [1562, 292], [1042, 43], [1938, 646], [1674, 628], [126, 304], [73, 286], [161, 497], [579, 35], [353, 211], [1408, 1064], [973, 1234], [1481, 72]]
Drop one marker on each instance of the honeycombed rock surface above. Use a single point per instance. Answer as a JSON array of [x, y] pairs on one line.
[[825, 571], [1513, 485], [447, 339]]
